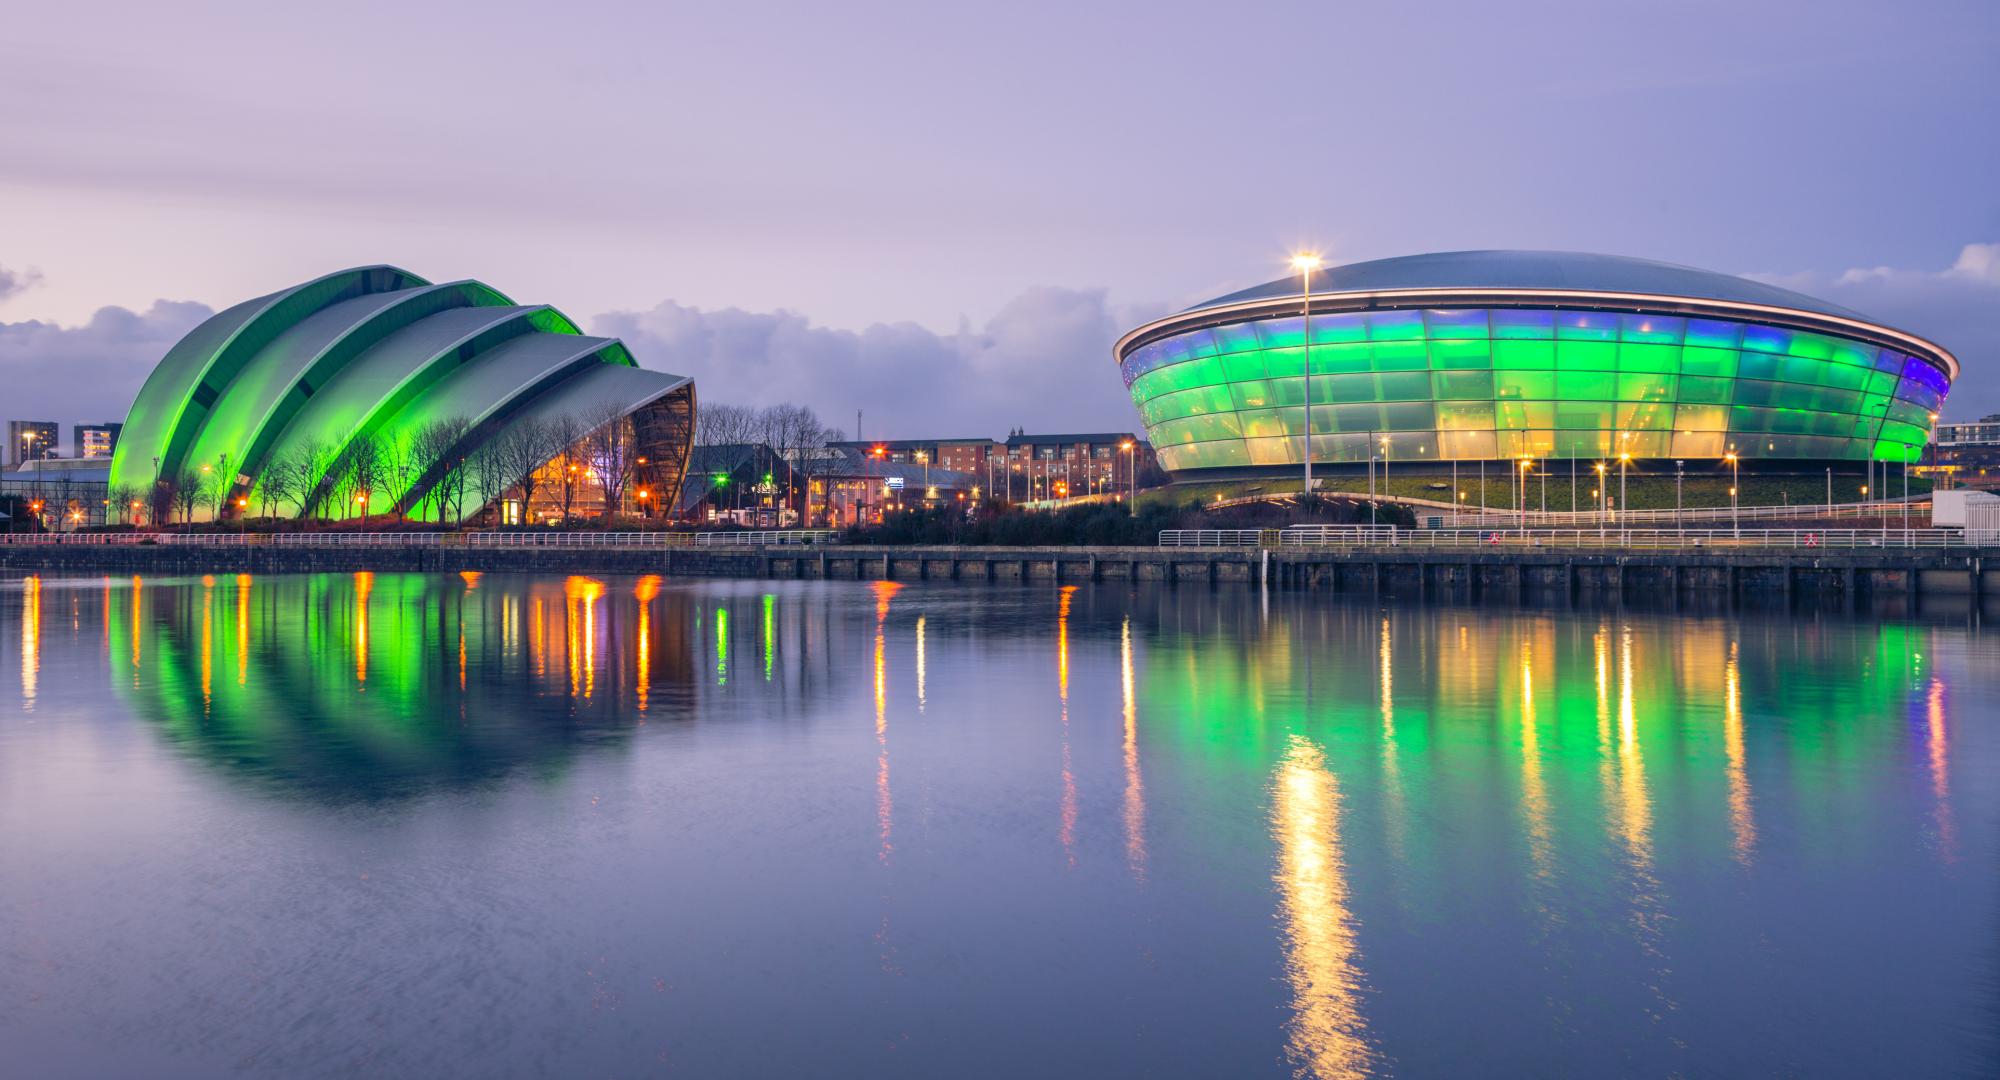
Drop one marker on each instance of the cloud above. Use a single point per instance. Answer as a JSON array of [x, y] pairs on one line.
[[88, 373], [15, 282], [1042, 362], [1957, 307]]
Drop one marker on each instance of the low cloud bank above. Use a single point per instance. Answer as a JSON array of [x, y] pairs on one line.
[[1043, 362], [1957, 307]]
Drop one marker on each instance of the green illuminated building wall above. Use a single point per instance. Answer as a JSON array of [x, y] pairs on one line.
[[377, 353], [1474, 383]]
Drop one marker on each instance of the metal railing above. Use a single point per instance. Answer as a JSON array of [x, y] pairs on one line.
[[1388, 537], [526, 538], [1915, 507]]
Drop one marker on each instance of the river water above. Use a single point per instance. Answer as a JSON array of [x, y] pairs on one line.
[[441, 826]]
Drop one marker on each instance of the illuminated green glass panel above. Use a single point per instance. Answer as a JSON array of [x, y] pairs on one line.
[[1251, 365], [1587, 355], [1665, 359], [1586, 385], [1464, 415], [1813, 346], [1461, 354], [1524, 354], [1401, 356], [1524, 384], [1281, 333], [1336, 329], [1290, 392], [1882, 383], [1403, 386], [1852, 353], [1515, 415], [1338, 359], [1643, 417], [1272, 422], [1633, 387], [1700, 417], [1199, 428], [1395, 326], [1252, 394], [1336, 388], [1585, 414], [1703, 361], [1462, 384], [1716, 391], [1237, 337]]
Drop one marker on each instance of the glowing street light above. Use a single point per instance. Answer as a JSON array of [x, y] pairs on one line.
[[1305, 262], [1735, 522]]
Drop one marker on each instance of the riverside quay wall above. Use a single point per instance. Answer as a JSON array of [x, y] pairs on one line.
[[1405, 571]]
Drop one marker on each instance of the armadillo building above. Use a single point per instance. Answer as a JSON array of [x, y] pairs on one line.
[[1477, 355], [371, 357]]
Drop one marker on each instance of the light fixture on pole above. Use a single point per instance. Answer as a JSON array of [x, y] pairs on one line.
[[1305, 263], [1735, 522]]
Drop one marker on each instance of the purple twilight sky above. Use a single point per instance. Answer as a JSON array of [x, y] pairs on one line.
[[946, 213]]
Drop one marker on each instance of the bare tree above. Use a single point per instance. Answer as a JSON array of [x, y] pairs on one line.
[[437, 456], [489, 473], [186, 493], [611, 452], [361, 471], [566, 431], [125, 499], [404, 459], [520, 452], [725, 425]]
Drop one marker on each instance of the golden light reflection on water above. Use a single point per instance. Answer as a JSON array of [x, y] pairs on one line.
[[207, 642], [885, 803], [1327, 1035], [1534, 789], [1394, 820], [31, 639], [922, 674], [364, 583], [644, 591], [1135, 787], [1939, 754], [1067, 830], [242, 629], [136, 623], [580, 595], [1742, 825]]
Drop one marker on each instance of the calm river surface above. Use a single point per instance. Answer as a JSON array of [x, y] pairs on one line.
[[441, 826]]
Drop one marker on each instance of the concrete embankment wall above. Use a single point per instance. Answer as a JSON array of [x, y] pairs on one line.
[[1404, 571]]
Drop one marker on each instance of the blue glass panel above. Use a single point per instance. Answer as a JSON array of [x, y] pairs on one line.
[[1768, 339], [1281, 333], [1199, 343], [1712, 334], [1461, 323], [1659, 329], [1395, 325], [1520, 323], [1587, 326]]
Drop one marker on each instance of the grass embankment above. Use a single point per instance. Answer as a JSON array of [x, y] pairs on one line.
[[1643, 491]]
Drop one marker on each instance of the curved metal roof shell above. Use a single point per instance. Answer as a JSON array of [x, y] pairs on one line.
[[357, 354], [1541, 278]]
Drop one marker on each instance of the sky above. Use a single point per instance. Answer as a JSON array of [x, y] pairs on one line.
[[944, 214]]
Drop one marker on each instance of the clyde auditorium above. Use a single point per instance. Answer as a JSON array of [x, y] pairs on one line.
[[1476, 355]]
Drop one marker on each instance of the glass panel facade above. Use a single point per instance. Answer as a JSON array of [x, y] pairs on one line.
[[1463, 384]]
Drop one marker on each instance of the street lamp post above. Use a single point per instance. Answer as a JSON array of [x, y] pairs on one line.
[[1305, 263], [1680, 471], [1735, 520], [1131, 473], [1624, 507], [1603, 494]]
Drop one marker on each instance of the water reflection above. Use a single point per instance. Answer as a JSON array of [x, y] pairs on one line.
[[1346, 836], [1328, 1036]]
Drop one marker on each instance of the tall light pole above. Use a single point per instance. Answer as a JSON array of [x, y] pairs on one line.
[[1305, 263], [1680, 470], [1131, 473], [1624, 459], [1735, 521], [1603, 497]]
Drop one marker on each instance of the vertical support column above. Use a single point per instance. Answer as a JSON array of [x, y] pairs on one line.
[[888, 568]]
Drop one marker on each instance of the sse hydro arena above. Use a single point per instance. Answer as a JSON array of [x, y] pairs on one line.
[[1477, 355]]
